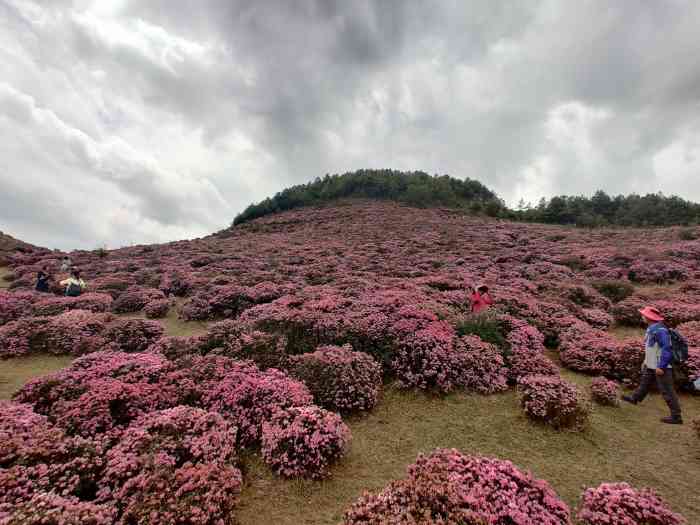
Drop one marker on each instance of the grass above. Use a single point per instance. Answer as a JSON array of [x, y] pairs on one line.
[[623, 332], [4, 270], [622, 444], [172, 324], [17, 371]]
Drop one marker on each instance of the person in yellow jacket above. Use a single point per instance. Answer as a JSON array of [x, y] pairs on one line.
[[74, 284]]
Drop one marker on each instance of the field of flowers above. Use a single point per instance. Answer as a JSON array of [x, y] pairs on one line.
[[310, 319]]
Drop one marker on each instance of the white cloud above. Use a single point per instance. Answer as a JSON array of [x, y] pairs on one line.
[[154, 120]]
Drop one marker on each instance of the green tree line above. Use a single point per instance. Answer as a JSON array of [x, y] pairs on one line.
[[601, 209], [420, 189], [414, 188]]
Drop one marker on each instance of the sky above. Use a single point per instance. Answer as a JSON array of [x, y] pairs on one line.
[[125, 122]]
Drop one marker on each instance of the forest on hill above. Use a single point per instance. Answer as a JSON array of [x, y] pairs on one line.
[[423, 190]]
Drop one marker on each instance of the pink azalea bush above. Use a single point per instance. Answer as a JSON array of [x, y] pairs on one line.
[[264, 349], [36, 457], [168, 438], [174, 347], [435, 358], [524, 362], [93, 302], [691, 332], [620, 504], [248, 397], [157, 308], [107, 404], [200, 494], [605, 392], [304, 441], [14, 305], [554, 401], [483, 370], [135, 298], [74, 332], [48, 508], [448, 486], [339, 379], [133, 335]]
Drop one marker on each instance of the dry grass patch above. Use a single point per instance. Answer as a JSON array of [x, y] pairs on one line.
[[622, 444], [4, 270], [17, 371]]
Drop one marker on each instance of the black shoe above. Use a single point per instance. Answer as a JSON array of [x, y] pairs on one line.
[[672, 420], [630, 399]]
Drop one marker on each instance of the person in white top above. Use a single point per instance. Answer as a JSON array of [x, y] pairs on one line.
[[66, 264], [74, 284]]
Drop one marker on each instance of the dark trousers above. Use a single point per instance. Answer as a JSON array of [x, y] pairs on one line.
[[665, 385]]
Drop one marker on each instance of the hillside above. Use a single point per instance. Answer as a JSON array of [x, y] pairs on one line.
[[392, 281]]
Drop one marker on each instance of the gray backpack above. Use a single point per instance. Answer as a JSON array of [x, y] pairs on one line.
[[73, 290]]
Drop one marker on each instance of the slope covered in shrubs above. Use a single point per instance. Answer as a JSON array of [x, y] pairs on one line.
[[317, 311]]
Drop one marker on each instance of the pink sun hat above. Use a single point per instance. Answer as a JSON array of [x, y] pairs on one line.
[[651, 313]]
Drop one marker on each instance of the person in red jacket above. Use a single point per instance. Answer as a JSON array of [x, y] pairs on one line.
[[480, 298]]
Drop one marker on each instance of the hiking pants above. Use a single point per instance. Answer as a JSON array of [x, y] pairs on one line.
[[665, 385]]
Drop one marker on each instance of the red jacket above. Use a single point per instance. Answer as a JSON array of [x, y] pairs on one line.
[[480, 302]]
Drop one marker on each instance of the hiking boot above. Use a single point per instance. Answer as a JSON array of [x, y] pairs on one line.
[[630, 399], [672, 420]]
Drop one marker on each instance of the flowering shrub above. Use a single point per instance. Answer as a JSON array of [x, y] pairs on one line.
[[133, 335], [586, 350], [523, 362], [107, 404], [22, 336], [619, 503], [170, 437], [176, 282], [36, 456], [596, 317], [135, 298], [265, 350], [624, 362], [431, 358], [691, 332], [157, 309], [15, 305], [604, 391], [304, 441], [248, 397], [174, 347], [93, 302], [455, 488], [554, 401], [51, 509], [75, 332], [339, 379], [202, 494]]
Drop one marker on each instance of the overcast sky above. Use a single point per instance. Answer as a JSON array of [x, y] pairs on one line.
[[151, 120]]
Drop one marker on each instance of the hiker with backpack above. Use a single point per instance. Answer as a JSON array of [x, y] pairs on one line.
[[42, 280], [480, 299], [74, 284], [663, 348]]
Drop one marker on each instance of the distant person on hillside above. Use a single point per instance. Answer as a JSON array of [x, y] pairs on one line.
[[657, 365], [66, 264], [42, 280], [480, 298], [74, 284]]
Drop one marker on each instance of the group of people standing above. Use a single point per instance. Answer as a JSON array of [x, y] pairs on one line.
[[73, 286]]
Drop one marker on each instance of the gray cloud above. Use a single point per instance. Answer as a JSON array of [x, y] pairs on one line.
[[180, 116]]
